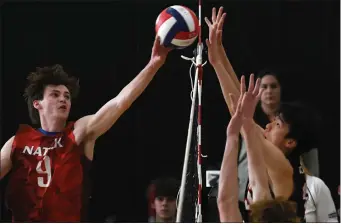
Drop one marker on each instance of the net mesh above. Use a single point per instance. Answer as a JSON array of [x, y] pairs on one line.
[[191, 185]]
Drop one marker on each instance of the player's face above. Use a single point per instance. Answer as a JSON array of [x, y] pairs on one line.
[[276, 133], [272, 90], [165, 207], [56, 102]]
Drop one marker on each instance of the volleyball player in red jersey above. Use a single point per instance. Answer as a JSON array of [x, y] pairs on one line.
[[46, 176]]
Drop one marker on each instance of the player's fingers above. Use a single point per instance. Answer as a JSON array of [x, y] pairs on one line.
[[214, 15], [209, 24], [251, 83], [212, 34], [220, 13], [242, 85], [221, 22], [256, 89], [260, 93]]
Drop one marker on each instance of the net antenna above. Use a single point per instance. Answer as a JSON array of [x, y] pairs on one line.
[[196, 92]]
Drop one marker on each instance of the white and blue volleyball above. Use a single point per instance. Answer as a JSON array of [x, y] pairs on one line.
[[177, 26]]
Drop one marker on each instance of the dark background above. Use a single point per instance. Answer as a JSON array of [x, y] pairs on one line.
[[106, 44]]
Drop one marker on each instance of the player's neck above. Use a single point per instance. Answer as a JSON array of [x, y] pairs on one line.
[[270, 109], [52, 125]]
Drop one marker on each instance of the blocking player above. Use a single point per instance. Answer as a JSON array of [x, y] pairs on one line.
[[265, 207], [292, 131]]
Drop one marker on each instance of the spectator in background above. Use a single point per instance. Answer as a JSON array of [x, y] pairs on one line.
[[162, 195], [319, 205]]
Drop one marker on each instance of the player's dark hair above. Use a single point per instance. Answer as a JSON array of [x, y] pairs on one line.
[[303, 125], [166, 187], [268, 71], [37, 82]]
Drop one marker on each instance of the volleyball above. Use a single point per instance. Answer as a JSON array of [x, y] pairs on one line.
[[177, 26]]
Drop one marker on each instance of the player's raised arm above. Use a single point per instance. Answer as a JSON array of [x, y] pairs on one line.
[[258, 177], [226, 83], [5, 158], [227, 78], [261, 151], [97, 124], [278, 166], [228, 180]]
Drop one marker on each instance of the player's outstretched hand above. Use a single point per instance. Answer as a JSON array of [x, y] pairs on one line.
[[159, 53], [251, 97], [215, 34], [245, 107]]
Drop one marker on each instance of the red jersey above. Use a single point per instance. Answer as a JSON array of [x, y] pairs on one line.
[[46, 181]]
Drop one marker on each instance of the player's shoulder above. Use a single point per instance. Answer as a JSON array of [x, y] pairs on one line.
[[9, 142], [11, 139], [24, 128], [316, 181], [79, 129], [317, 184]]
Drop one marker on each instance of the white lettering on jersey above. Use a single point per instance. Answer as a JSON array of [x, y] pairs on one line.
[[57, 143], [42, 151], [44, 175], [28, 150]]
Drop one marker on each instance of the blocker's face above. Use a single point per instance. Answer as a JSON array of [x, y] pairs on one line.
[[276, 133]]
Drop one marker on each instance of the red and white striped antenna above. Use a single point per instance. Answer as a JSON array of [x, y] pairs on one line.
[[200, 46], [197, 61]]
